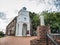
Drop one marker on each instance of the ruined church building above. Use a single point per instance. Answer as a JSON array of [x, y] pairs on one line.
[[20, 25]]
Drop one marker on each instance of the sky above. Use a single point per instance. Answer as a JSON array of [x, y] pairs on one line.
[[9, 9]]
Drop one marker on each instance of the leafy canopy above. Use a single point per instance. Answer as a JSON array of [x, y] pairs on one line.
[[52, 19], [34, 22]]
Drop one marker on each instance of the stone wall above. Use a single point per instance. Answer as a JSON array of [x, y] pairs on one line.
[[11, 27]]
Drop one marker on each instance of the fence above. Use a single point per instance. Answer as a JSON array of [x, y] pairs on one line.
[[52, 39]]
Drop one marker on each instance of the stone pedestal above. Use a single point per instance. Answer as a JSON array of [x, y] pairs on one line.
[[42, 31], [41, 36]]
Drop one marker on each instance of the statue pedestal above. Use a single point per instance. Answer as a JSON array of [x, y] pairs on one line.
[[41, 36], [42, 31]]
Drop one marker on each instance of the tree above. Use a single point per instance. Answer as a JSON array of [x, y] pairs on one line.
[[34, 22], [1, 34], [52, 19]]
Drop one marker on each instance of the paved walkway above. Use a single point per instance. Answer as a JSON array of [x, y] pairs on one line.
[[11, 40]]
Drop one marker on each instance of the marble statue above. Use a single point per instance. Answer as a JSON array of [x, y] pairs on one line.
[[42, 20]]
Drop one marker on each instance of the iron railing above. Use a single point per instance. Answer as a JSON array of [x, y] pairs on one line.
[[52, 39]]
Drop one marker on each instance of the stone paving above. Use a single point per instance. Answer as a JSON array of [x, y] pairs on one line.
[[12, 40]]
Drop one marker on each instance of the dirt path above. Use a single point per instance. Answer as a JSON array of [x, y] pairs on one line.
[[11, 40]]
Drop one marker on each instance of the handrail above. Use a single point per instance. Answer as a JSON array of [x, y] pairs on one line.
[[55, 34], [51, 38]]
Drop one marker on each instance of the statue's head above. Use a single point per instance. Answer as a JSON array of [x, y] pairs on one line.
[[24, 8]]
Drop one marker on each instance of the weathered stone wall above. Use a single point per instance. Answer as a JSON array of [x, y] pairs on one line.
[[11, 27]]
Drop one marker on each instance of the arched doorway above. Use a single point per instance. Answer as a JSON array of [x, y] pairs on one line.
[[24, 30]]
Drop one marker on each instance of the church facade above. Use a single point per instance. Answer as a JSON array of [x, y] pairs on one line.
[[20, 25]]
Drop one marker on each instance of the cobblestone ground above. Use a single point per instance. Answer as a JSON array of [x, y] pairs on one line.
[[11, 40]]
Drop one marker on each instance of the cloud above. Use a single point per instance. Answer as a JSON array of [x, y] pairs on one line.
[[57, 4], [2, 15], [51, 5]]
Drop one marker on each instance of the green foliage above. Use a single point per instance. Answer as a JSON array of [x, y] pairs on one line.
[[34, 22], [52, 19], [1, 34]]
